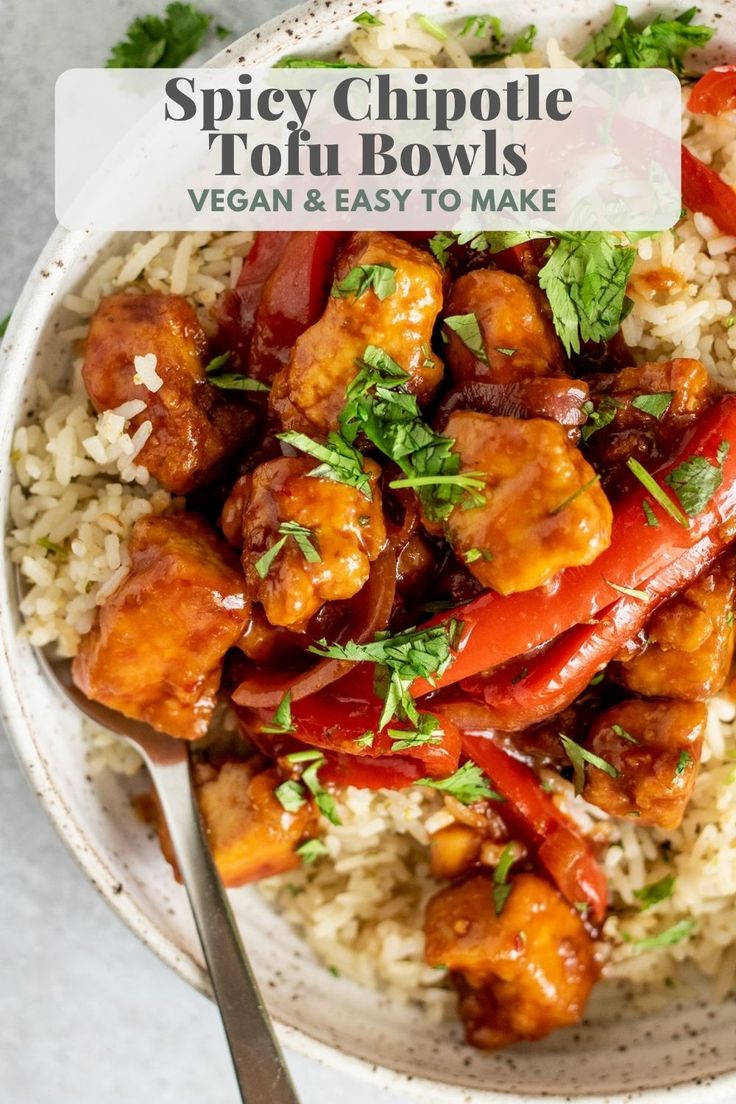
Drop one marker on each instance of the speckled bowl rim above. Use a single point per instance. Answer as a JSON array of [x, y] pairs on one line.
[[275, 38]]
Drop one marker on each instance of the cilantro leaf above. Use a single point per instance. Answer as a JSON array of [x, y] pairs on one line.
[[501, 885], [311, 850], [56, 550], [4, 325], [431, 27], [650, 895], [340, 462], [579, 756], [282, 722], [482, 26], [316, 63], [657, 405], [290, 795], [152, 41], [585, 278], [622, 734], [322, 799], [468, 785], [649, 515], [426, 730], [440, 245], [468, 330], [662, 43], [575, 494], [303, 538], [598, 416], [360, 279], [695, 481]]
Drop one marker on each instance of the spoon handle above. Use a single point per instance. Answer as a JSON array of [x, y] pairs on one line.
[[259, 1064]]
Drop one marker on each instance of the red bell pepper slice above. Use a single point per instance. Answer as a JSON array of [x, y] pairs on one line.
[[385, 772], [561, 849], [527, 691], [499, 628], [336, 718], [282, 289], [704, 190], [294, 296], [715, 92]]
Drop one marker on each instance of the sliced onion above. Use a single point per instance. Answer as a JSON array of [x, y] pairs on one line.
[[371, 611]]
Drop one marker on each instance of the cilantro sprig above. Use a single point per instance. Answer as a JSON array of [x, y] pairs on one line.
[[379, 406], [230, 381], [161, 42], [467, 785], [584, 276], [324, 801], [400, 659]]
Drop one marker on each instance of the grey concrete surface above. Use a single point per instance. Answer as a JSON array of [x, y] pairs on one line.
[[87, 1014]]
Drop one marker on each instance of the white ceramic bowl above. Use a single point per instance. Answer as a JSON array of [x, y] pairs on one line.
[[685, 1053]]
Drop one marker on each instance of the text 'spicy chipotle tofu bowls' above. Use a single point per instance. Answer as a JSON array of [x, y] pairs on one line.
[[428, 545]]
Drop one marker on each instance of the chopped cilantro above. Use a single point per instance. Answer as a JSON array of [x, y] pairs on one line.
[[660, 44], [650, 895], [366, 740], [381, 278], [365, 19], [282, 722], [303, 538], [290, 795], [656, 491], [579, 756], [649, 515], [468, 785], [475, 554], [323, 800], [316, 63], [440, 244], [400, 659], [340, 462], [481, 26], [223, 32], [505, 351], [311, 850], [431, 27], [657, 405], [598, 416], [468, 330], [4, 325], [426, 730], [57, 550], [501, 885], [153, 41], [695, 481], [622, 734], [630, 592], [667, 938], [231, 381], [575, 494], [684, 760]]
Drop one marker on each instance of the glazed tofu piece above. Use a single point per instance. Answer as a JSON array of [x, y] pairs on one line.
[[338, 534], [251, 835], [543, 511], [157, 649], [646, 432], [654, 747], [690, 642], [195, 426], [519, 974], [515, 323], [309, 393]]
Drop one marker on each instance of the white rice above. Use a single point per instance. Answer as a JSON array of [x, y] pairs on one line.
[[361, 909]]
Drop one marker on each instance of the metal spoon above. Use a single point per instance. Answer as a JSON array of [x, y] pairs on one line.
[[260, 1069]]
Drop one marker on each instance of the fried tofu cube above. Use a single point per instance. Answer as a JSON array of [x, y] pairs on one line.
[[690, 642], [543, 509], [654, 747], [251, 835], [309, 393], [519, 340], [195, 426], [520, 972], [156, 651], [344, 532]]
